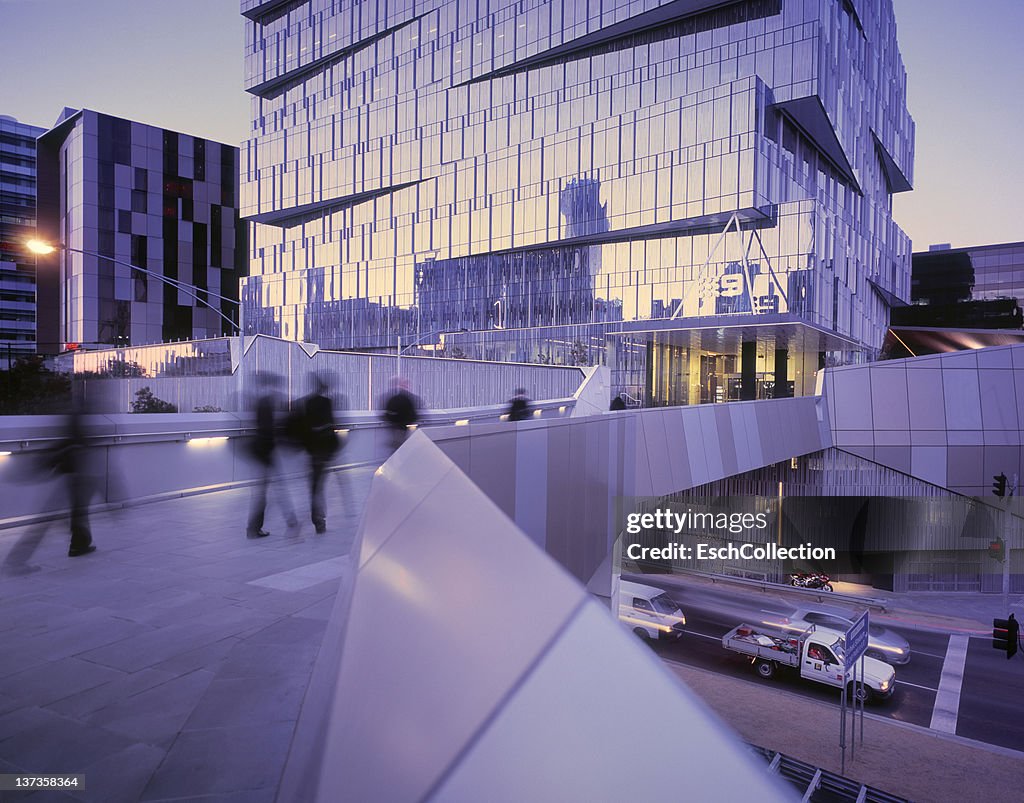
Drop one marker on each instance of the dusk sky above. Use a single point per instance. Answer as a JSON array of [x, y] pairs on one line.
[[179, 65]]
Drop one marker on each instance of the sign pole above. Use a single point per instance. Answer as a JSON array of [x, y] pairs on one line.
[[862, 702], [842, 731], [1006, 560], [853, 712], [854, 646], [1009, 529]]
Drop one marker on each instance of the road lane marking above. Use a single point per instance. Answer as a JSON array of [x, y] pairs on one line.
[[929, 654], [915, 685], [947, 699]]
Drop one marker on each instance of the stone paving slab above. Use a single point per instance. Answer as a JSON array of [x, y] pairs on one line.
[[171, 663]]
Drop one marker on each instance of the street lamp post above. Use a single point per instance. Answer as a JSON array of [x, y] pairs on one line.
[[42, 248]]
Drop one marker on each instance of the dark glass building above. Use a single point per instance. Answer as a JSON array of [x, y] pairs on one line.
[[123, 195], [17, 224], [979, 287], [697, 193]]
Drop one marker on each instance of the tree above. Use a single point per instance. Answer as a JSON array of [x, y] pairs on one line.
[[30, 389], [578, 354], [146, 402], [124, 368]]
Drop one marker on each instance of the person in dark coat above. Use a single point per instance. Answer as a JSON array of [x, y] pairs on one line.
[[401, 411], [321, 443], [262, 448], [618, 403], [519, 406], [72, 459]]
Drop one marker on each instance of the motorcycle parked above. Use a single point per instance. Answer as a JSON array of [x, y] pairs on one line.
[[815, 580]]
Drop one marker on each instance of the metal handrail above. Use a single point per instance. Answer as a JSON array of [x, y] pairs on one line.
[[349, 420]]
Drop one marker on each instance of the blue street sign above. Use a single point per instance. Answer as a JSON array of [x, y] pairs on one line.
[[857, 639]]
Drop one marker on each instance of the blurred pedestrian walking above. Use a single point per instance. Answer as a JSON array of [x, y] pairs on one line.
[[261, 448], [321, 443], [401, 411], [73, 460], [78, 468], [619, 402], [519, 406]]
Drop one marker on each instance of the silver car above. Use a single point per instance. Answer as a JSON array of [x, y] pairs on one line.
[[883, 643]]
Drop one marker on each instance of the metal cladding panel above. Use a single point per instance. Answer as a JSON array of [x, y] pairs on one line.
[[411, 700], [941, 418], [589, 747], [448, 573]]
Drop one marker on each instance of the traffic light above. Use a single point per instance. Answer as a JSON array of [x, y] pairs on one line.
[[997, 549], [999, 484], [1004, 635]]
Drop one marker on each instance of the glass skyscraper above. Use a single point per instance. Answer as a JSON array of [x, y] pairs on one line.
[[695, 193], [17, 224]]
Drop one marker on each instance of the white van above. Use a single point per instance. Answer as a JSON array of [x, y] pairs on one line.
[[649, 612]]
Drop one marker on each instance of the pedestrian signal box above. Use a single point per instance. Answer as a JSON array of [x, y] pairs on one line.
[[1005, 634]]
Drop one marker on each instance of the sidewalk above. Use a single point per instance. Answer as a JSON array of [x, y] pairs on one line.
[[970, 614], [948, 611], [171, 663], [895, 758]]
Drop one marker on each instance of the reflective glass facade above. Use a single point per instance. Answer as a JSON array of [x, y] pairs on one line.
[[980, 287], [123, 195], [198, 370], [17, 224], [557, 176], [190, 358]]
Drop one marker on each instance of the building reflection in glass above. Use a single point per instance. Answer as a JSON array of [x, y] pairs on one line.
[[568, 185]]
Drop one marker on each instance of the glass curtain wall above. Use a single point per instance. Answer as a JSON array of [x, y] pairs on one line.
[[537, 173]]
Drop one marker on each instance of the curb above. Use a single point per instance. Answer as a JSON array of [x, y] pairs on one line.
[[964, 627], [969, 627], [1006, 752]]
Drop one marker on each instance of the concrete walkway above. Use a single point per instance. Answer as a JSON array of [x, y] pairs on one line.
[[171, 663]]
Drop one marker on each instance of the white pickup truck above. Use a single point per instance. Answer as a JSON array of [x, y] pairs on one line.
[[817, 653], [649, 612]]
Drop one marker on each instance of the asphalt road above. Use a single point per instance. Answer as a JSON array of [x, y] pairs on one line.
[[712, 612], [992, 696]]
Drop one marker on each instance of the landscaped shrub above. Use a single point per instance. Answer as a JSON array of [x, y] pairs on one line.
[[146, 402]]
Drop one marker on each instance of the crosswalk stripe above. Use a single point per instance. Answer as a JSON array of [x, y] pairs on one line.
[[947, 699]]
